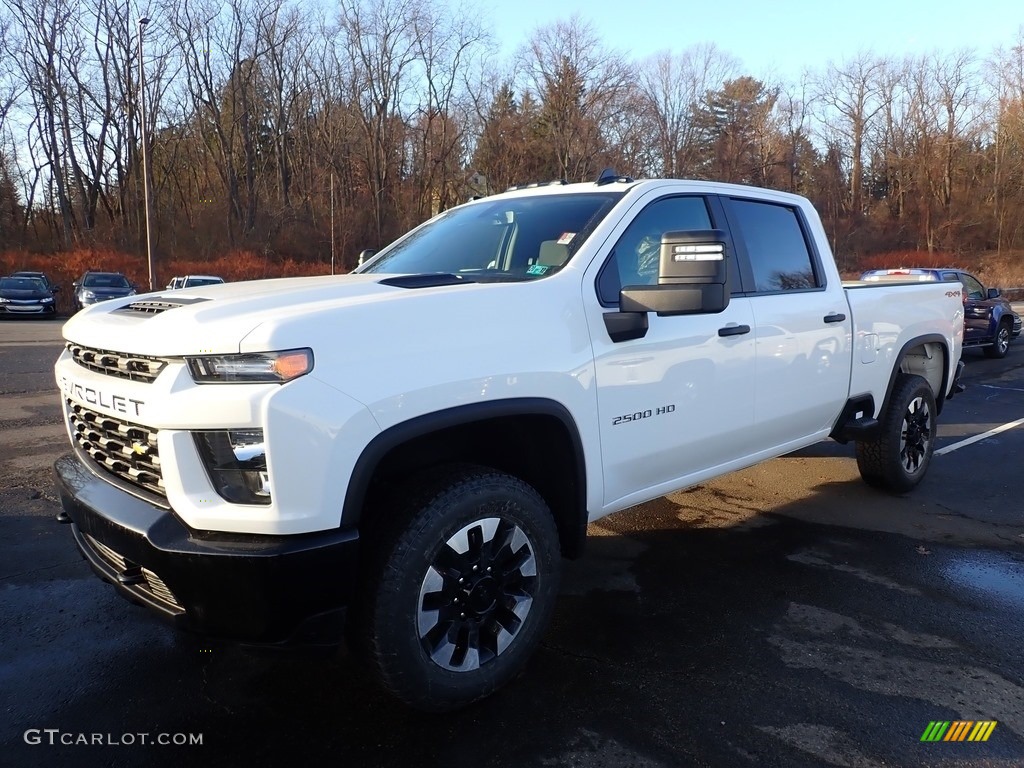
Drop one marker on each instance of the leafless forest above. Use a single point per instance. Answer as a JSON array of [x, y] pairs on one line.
[[274, 128]]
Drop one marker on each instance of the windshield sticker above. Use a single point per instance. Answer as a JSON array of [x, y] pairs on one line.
[[566, 238], [537, 269]]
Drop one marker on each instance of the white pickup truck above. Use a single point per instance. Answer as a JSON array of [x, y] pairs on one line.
[[415, 446]]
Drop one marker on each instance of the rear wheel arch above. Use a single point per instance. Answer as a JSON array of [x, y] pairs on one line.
[[927, 357]]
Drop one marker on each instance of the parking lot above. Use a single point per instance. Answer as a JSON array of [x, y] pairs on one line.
[[786, 615]]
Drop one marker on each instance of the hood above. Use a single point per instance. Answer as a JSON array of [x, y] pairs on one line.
[[15, 293], [112, 292], [215, 319]]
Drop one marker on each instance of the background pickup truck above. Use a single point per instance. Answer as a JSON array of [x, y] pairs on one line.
[[989, 320], [414, 447]]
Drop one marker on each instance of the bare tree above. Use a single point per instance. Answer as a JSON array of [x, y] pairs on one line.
[[1007, 131], [580, 83], [672, 86], [379, 41], [447, 46], [852, 95]]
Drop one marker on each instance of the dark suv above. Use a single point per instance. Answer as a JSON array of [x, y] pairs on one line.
[[989, 320], [93, 287]]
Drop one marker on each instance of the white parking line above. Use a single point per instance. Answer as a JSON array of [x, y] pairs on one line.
[[978, 438], [1004, 389]]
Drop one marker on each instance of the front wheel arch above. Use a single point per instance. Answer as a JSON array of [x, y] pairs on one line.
[[535, 439]]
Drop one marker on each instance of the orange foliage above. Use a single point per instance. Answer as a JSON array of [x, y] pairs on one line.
[[64, 268]]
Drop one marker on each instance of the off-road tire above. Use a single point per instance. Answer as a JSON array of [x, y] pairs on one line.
[[410, 624], [898, 459]]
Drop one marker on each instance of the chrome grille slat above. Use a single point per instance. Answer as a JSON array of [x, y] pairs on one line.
[[108, 554], [121, 365], [120, 447], [151, 583], [158, 589]]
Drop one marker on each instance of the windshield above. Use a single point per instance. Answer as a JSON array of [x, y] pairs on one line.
[[105, 281], [192, 282], [22, 284], [518, 238]]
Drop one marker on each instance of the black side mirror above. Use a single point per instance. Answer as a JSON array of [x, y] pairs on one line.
[[55, 289], [994, 293], [692, 277]]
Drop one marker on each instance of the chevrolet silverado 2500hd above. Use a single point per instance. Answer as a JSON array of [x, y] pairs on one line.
[[417, 445]]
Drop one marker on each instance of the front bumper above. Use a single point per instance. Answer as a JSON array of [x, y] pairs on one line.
[[256, 589], [1016, 325], [20, 310]]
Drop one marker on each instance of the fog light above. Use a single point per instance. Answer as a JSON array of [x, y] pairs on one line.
[[236, 461]]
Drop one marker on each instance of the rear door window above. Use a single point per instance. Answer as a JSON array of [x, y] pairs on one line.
[[776, 246]]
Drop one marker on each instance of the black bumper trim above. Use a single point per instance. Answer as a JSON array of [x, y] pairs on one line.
[[257, 589]]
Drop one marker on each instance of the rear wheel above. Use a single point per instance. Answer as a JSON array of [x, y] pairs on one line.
[[1001, 345], [461, 584], [898, 459]]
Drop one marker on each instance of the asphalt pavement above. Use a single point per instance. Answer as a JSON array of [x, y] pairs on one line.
[[787, 615]]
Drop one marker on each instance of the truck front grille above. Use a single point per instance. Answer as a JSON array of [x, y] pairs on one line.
[[136, 576], [124, 366], [126, 450]]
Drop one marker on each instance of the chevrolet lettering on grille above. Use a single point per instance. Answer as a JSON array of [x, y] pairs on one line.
[[116, 403]]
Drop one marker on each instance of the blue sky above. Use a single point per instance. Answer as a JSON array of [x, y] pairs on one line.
[[780, 37]]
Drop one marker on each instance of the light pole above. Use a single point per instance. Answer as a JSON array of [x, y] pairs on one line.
[[145, 164]]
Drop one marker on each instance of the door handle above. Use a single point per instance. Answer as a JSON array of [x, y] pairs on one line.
[[835, 317], [734, 330]]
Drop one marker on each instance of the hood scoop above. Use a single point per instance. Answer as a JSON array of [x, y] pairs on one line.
[[430, 280], [159, 304]]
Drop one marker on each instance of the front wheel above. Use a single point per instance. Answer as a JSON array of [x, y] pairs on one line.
[[461, 584], [1001, 345], [898, 458]]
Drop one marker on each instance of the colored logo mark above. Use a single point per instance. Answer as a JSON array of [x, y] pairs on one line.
[[958, 730]]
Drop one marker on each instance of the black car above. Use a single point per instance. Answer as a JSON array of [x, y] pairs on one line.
[[93, 287], [26, 297]]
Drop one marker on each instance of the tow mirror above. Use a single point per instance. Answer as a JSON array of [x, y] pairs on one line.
[[692, 275]]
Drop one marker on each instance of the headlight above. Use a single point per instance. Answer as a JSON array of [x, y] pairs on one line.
[[88, 295], [251, 367], [236, 461], [3, 300], [47, 300]]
